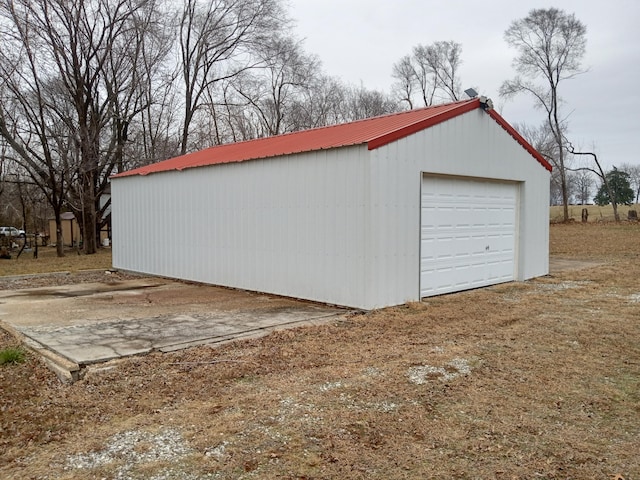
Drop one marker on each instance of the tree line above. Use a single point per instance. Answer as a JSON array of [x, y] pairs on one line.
[[92, 88]]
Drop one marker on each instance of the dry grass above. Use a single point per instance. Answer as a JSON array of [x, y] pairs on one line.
[[48, 261], [614, 242], [596, 213], [523, 380]]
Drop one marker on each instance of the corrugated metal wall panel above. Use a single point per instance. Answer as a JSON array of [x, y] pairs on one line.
[[291, 225], [471, 145]]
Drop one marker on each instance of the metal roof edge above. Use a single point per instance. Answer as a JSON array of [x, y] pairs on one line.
[[457, 109], [149, 169], [144, 170], [519, 138]]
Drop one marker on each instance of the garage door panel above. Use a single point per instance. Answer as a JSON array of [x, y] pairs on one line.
[[467, 234]]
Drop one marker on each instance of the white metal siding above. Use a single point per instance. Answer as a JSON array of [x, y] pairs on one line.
[[468, 230], [293, 225]]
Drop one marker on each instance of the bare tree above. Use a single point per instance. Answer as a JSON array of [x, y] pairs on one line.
[[76, 85], [91, 88], [28, 121], [21, 200], [543, 140], [276, 87], [550, 45], [234, 119], [216, 39], [444, 59], [599, 172], [407, 79], [24, 196], [362, 103], [582, 183], [431, 71], [321, 104], [131, 63], [153, 137]]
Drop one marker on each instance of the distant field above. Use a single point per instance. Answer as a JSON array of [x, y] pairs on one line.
[[596, 213]]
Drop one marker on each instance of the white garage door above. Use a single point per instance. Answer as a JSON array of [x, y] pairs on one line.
[[468, 234]]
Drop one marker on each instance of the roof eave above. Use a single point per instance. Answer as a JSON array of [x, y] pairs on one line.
[[142, 171]]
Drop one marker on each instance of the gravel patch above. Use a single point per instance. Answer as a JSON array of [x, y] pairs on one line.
[[634, 298], [134, 448], [455, 368], [557, 287]]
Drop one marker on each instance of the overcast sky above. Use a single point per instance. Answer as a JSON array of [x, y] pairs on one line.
[[360, 40]]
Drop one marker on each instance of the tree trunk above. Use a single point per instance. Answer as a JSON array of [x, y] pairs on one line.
[[616, 215], [188, 116], [557, 131], [565, 193], [89, 154], [59, 237], [89, 242]]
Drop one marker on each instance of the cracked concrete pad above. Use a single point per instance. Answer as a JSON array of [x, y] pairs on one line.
[[90, 323], [102, 341]]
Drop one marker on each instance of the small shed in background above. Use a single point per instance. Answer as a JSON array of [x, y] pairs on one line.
[[71, 230], [368, 214]]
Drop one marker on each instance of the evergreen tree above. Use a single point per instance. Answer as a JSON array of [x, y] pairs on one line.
[[620, 189]]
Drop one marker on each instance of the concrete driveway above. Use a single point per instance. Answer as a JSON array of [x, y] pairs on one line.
[[78, 325]]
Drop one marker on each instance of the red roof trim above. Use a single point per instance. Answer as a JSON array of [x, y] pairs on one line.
[[514, 133], [457, 109]]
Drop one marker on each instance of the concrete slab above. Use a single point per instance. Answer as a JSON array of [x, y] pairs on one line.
[[103, 341], [96, 322]]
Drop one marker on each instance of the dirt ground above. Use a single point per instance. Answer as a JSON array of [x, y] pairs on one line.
[[539, 379]]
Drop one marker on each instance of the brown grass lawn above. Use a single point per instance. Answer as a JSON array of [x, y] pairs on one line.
[[48, 261], [539, 379]]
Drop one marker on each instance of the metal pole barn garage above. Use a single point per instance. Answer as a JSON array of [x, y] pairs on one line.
[[367, 214]]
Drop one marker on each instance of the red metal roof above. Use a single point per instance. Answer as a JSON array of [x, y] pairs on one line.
[[375, 132]]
